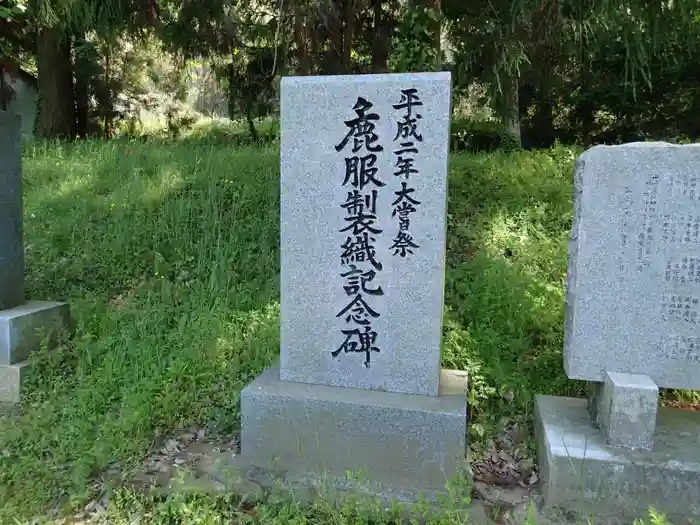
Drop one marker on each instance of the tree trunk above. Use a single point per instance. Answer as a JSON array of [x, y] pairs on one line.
[[251, 124], [302, 45], [511, 107], [231, 92], [83, 66], [584, 112], [381, 41], [56, 112], [544, 120], [335, 37], [108, 105], [348, 26], [434, 8]]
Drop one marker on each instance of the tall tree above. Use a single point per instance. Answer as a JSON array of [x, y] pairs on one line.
[[381, 39], [58, 23], [56, 112], [498, 41], [302, 42]]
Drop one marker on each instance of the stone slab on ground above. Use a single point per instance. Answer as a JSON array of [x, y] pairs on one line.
[[581, 473], [363, 162], [406, 444], [633, 282], [23, 328]]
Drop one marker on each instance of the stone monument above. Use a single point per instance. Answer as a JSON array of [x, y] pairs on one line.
[[23, 324], [363, 223], [631, 327]]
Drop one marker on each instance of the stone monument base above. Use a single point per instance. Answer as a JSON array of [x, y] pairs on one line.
[[22, 330], [400, 445], [11, 379], [581, 473]]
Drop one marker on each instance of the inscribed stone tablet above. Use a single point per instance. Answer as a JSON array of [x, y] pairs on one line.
[[633, 287], [11, 245], [363, 204]]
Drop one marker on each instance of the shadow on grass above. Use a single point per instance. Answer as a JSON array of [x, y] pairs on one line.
[[126, 211], [222, 132]]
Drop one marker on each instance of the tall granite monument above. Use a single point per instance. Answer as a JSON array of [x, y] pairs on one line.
[[23, 324], [363, 224], [632, 326]]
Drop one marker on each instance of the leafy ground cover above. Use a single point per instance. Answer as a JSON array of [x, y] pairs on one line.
[[168, 254]]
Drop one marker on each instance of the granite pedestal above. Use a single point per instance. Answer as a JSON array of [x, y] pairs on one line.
[[401, 445], [23, 329], [582, 473]]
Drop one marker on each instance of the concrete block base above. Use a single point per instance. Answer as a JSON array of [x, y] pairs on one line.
[[401, 445], [23, 328], [583, 474], [626, 410], [11, 378]]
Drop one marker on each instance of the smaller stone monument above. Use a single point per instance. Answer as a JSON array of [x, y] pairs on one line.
[[23, 324], [363, 223], [631, 327]]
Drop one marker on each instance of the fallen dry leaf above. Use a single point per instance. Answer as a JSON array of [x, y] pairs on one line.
[[505, 461], [534, 478]]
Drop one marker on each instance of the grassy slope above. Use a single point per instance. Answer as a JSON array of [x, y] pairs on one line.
[[169, 258]]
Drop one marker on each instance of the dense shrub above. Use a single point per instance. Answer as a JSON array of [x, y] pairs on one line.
[[480, 135]]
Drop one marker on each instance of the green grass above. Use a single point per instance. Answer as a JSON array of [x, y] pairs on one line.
[[508, 227], [131, 507], [168, 254]]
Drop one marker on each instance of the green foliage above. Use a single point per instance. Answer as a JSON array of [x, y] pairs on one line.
[[654, 518], [234, 133], [480, 136], [13, 39], [666, 110], [509, 216], [179, 119], [414, 41], [128, 81], [249, 80], [577, 72], [279, 508], [550, 48], [11, 10]]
